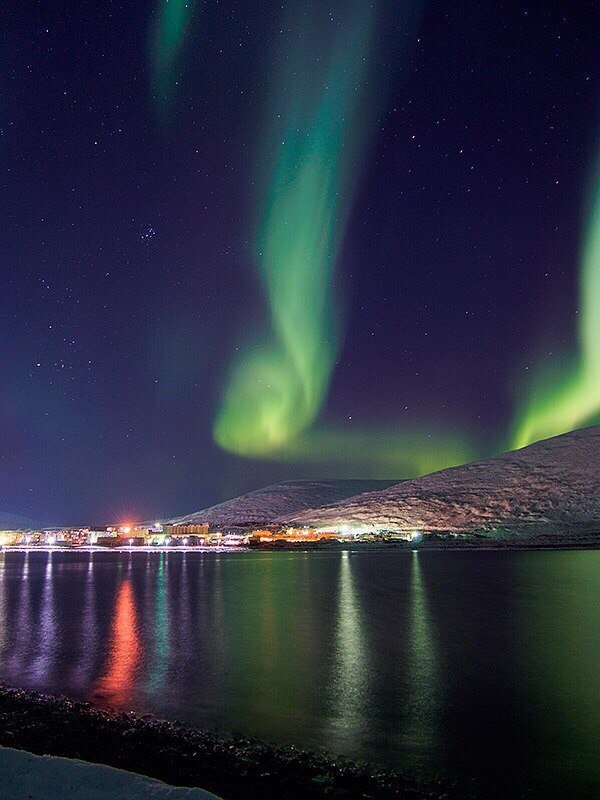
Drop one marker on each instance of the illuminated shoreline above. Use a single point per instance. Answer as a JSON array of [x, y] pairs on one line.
[[45, 548]]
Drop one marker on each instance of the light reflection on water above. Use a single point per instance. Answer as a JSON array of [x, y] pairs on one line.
[[47, 628], [117, 681], [351, 670], [446, 662], [86, 644], [423, 700]]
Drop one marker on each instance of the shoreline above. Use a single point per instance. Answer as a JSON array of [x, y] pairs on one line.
[[232, 767], [469, 544]]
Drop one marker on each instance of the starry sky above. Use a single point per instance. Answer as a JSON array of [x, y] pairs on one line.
[[133, 189]]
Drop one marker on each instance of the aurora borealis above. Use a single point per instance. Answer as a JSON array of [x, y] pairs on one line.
[[320, 118], [249, 242], [278, 386], [166, 43], [570, 399]]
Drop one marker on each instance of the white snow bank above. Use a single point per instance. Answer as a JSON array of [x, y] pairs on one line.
[[24, 776]]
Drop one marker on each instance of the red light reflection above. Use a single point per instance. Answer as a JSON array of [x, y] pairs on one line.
[[116, 684]]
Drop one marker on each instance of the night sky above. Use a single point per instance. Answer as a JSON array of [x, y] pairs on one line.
[[133, 188]]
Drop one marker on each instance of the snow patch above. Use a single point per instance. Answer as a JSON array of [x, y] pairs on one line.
[[26, 776]]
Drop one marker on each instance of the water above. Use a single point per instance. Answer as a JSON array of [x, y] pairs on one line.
[[454, 663]]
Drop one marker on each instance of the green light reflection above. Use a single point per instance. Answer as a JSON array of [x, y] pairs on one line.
[[557, 631], [160, 659], [350, 681], [423, 680]]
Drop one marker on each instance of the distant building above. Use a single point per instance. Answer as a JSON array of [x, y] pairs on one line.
[[261, 536], [139, 532], [187, 530], [9, 538]]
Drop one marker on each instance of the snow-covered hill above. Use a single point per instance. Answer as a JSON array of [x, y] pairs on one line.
[[263, 506], [14, 522], [549, 486]]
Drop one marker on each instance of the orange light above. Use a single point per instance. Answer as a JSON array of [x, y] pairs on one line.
[[124, 653]]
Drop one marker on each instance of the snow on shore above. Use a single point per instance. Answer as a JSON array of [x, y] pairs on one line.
[[24, 776]]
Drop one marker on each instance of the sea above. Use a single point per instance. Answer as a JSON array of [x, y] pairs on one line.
[[468, 665]]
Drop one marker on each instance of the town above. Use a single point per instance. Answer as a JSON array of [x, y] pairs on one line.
[[158, 535]]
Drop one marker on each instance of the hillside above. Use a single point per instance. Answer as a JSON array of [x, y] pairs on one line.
[[263, 506], [547, 487], [13, 522]]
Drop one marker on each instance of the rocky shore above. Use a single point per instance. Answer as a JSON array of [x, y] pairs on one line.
[[233, 768]]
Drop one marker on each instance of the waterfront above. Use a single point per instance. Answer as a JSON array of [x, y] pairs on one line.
[[455, 663]]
